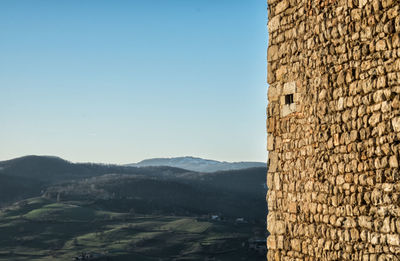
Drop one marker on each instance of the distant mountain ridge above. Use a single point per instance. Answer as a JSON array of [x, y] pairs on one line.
[[197, 164], [54, 169], [153, 188]]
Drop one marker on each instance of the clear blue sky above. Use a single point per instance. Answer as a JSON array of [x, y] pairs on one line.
[[120, 81]]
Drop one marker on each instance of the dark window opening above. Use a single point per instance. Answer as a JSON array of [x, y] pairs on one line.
[[289, 99]]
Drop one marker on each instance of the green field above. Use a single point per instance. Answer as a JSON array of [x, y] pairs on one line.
[[43, 229]]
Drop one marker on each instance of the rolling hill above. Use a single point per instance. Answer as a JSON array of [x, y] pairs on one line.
[[162, 189], [52, 209]]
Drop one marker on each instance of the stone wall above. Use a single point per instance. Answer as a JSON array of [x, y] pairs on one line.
[[333, 130]]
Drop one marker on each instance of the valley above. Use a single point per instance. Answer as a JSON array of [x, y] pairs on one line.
[[128, 213]]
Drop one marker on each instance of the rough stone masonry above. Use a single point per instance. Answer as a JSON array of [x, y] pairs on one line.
[[333, 130]]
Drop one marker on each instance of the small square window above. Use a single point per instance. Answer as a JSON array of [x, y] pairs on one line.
[[289, 99]]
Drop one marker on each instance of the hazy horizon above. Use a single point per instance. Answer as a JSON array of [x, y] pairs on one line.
[[126, 163], [122, 81]]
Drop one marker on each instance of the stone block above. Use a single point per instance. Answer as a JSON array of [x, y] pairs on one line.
[[393, 163], [273, 24], [273, 161], [380, 45], [281, 73], [273, 53], [270, 142], [274, 92], [296, 244], [393, 239], [288, 109], [292, 207], [281, 6], [289, 88], [396, 124], [271, 242]]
